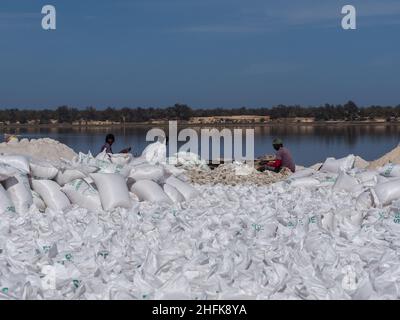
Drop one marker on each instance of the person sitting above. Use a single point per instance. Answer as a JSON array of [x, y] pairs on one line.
[[110, 139], [283, 159]]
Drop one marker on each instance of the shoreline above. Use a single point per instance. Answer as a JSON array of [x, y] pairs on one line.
[[203, 125]]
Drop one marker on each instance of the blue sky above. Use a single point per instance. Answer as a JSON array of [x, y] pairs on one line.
[[206, 53]]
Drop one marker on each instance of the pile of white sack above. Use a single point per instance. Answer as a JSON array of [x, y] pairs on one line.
[[104, 182], [326, 234]]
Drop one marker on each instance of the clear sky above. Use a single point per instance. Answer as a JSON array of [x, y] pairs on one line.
[[206, 53]]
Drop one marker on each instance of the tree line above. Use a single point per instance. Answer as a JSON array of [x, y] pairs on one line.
[[64, 114]]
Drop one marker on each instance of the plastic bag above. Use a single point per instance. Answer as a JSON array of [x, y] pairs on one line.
[[147, 172], [7, 171], [390, 170], [6, 205], [155, 153], [121, 158], [19, 191], [173, 194], [387, 192], [81, 193], [304, 182], [345, 182], [336, 165], [51, 194], [184, 188], [42, 170], [147, 190], [68, 175], [19, 162], [112, 189]]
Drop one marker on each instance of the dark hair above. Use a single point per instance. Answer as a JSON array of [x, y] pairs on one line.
[[110, 136]]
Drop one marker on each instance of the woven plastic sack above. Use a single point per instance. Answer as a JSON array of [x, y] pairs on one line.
[[51, 194]]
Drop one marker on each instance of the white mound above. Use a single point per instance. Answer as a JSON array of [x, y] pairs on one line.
[[42, 149], [392, 156]]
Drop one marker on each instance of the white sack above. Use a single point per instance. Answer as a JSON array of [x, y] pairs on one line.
[[38, 201], [19, 191], [390, 170], [113, 190], [51, 194], [304, 182], [81, 193], [147, 190], [173, 194], [302, 173], [19, 162], [6, 205], [336, 165], [345, 182], [42, 170], [364, 201], [155, 153], [147, 172], [121, 158], [7, 171], [387, 192], [68, 175], [184, 188]]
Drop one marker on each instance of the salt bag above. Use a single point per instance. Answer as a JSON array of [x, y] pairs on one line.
[[155, 153], [7, 171], [81, 193], [38, 201], [121, 158], [112, 189], [147, 190], [173, 194], [336, 165], [6, 205], [19, 162], [345, 182], [68, 175], [184, 188], [51, 194], [390, 170], [385, 193], [147, 172], [42, 170], [303, 173], [19, 191], [304, 182]]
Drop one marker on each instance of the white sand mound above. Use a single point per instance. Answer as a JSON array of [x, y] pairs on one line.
[[45, 149], [393, 157]]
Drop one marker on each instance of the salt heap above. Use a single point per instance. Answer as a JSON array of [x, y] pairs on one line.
[[46, 149]]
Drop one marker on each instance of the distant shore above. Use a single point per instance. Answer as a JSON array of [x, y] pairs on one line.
[[205, 125]]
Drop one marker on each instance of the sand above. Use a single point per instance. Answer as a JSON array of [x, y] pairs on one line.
[[392, 156]]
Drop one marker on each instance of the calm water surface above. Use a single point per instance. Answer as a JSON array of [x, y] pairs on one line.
[[308, 143]]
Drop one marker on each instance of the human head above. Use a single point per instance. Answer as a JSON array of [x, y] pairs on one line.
[[277, 144], [110, 138]]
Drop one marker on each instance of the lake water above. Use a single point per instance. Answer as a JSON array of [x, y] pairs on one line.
[[309, 144]]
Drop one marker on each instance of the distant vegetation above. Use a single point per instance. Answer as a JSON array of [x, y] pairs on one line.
[[347, 112]]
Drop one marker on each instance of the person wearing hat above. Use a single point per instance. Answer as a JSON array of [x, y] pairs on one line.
[[283, 158]]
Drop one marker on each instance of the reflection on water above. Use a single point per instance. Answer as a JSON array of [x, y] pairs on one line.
[[308, 143]]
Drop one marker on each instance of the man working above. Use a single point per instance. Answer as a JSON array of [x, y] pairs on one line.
[[282, 160], [110, 139]]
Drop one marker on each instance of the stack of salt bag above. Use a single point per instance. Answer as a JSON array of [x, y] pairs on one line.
[[370, 187], [101, 183]]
